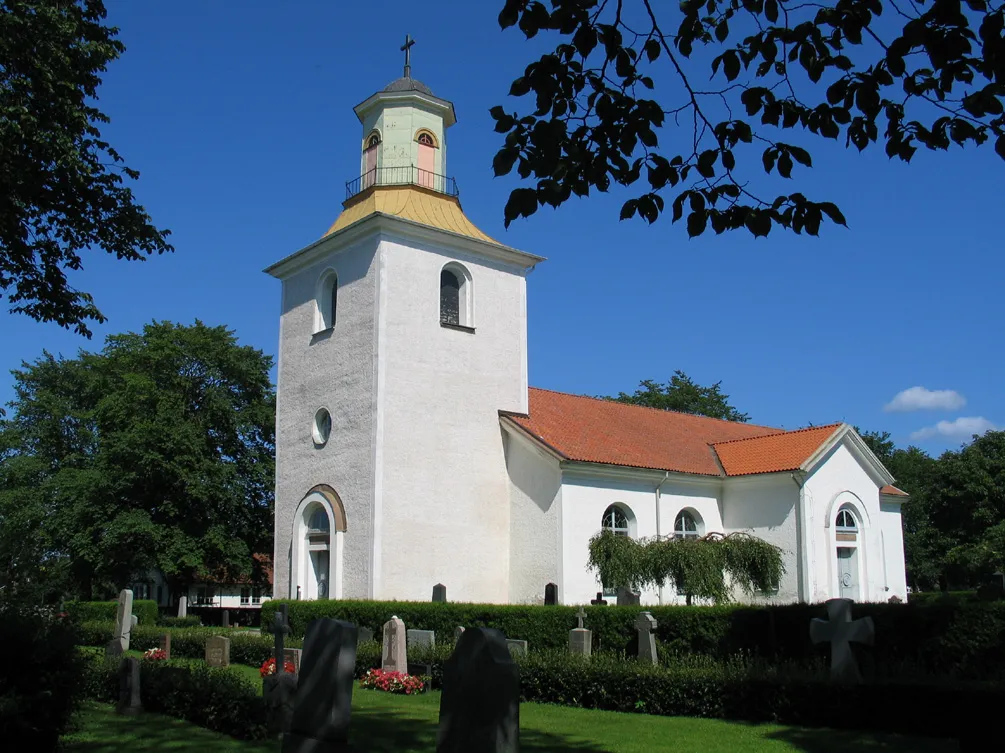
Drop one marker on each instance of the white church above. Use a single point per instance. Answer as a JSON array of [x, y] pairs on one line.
[[410, 450]]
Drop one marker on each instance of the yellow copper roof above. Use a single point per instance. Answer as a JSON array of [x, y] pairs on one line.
[[410, 203]]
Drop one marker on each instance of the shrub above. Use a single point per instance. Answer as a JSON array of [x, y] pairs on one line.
[[934, 638], [188, 621], [41, 680], [392, 682], [96, 611]]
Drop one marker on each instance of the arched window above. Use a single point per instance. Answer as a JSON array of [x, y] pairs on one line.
[[456, 306], [685, 526], [326, 300], [318, 522], [370, 150], [426, 139], [846, 522], [615, 520], [322, 428], [373, 140]]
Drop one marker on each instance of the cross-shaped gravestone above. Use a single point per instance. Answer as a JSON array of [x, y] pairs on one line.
[[280, 628], [581, 615], [840, 630], [645, 624], [599, 601], [580, 639]]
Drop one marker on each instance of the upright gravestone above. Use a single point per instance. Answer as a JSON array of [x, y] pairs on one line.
[[165, 644], [458, 632], [365, 634], [123, 625], [480, 704], [840, 631], [225, 618], [183, 606], [580, 639], [129, 687], [394, 656], [599, 601], [280, 688], [293, 656], [551, 594], [420, 639], [439, 592], [645, 624], [218, 651], [628, 598], [516, 647], [320, 720], [421, 642]]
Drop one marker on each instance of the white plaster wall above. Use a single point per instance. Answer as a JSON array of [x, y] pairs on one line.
[[585, 497], [335, 370], [892, 543], [225, 597], [443, 486], [535, 518], [701, 498], [841, 478], [765, 506]]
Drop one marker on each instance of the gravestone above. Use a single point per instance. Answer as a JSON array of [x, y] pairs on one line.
[[165, 645], [394, 656], [580, 639], [129, 687], [599, 601], [218, 651], [480, 703], [516, 647], [124, 618], [420, 639], [840, 631], [183, 606], [280, 689], [292, 655], [458, 632], [628, 598], [225, 618], [365, 634], [551, 594], [439, 592], [320, 722], [645, 624]]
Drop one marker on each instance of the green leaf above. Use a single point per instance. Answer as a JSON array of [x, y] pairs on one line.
[[1000, 146], [706, 163], [696, 224], [801, 156], [785, 164], [833, 212], [771, 10], [652, 49], [629, 208]]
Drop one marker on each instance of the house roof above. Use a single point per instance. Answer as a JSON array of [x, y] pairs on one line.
[[595, 430], [893, 491], [773, 453], [423, 206]]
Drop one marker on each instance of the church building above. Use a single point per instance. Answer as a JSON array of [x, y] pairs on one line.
[[410, 450]]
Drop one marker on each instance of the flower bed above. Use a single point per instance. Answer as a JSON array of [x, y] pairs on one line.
[[392, 682], [155, 654]]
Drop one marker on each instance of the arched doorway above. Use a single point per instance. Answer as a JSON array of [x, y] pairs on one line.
[[846, 535], [318, 531]]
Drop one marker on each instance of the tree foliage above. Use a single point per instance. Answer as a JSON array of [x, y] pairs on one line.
[[709, 567], [680, 98], [684, 395], [157, 451], [63, 185]]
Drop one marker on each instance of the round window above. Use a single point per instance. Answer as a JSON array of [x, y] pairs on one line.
[[322, 426]]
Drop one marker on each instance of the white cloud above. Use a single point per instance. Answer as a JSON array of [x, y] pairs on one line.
[[920, 398], [961, 428]]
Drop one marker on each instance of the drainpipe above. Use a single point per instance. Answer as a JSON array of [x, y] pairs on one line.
[[666, 476]]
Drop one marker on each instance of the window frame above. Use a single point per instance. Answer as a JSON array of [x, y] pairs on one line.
[[326, 302], [245, 595], [465, 298], [683, 532], [613, 510]]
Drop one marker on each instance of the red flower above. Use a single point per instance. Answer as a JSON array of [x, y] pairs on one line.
[[269, 667]]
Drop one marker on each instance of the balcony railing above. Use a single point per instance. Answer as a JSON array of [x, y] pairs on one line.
[[408, 175]]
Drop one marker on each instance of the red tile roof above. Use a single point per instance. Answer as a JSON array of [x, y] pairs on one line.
[[894, 491], [770, 454], [603, 431]]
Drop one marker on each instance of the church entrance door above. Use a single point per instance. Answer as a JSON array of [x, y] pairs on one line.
[[847, 561]]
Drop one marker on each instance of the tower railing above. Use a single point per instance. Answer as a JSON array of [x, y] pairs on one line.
[[407, 175]]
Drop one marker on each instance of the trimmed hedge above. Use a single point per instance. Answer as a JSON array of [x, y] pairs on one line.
[[93, 611], [956, 638], [188, 643], [189, 621], [214, 698]]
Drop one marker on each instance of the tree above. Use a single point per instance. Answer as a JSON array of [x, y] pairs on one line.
[[156, 452], [704, 568], [682, 394], [62, 184], [927, 74]]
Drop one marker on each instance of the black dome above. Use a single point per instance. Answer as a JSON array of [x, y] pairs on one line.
[[406, 84]]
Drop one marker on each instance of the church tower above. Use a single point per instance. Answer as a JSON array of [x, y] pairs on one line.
[[403, 335]]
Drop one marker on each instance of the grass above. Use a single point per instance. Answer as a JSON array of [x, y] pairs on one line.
[[385, 723]]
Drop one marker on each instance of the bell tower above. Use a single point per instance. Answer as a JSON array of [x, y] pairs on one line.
[[404, 128]]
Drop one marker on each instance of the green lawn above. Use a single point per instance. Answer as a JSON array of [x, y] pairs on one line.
[[384, 723]]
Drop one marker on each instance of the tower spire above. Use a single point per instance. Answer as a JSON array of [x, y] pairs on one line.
[[407, 49]]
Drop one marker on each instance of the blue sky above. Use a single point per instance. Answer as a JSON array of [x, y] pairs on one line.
[[239, 117]]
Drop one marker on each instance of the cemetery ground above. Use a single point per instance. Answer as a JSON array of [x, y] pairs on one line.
[[383, 722]]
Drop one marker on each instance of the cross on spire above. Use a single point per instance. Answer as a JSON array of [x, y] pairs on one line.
[[407, 49]]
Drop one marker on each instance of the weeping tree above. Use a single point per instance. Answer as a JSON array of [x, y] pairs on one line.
[[704, 568]]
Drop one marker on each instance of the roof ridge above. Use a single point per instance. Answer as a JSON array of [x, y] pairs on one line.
[[782, 434], [661, 410]]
